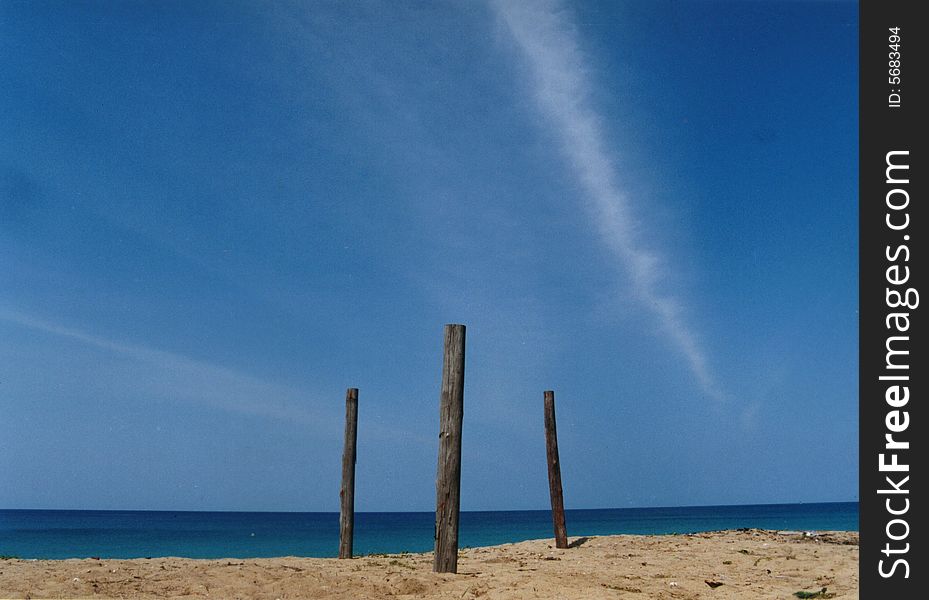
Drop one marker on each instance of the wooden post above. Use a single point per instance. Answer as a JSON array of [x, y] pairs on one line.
[[347, 493], [448, 475], [554, 471]]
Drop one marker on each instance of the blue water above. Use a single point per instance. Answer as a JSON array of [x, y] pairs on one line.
[[135, 534]]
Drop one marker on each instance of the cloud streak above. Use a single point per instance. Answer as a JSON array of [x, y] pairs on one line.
[[549, 44], [170, 375]]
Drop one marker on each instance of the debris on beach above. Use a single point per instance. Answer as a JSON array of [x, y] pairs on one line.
[[820, 594]]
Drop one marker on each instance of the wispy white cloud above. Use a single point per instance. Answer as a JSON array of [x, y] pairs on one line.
[[549, 44], [175, 376]]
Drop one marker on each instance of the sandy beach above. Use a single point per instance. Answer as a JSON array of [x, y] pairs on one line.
[[728, 564]]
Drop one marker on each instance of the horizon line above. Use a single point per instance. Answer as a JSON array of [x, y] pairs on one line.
[[336, 512]]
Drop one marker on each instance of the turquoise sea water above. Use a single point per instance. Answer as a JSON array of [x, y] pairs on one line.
[[134, 534]]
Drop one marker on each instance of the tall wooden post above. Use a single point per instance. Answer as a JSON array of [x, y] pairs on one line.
[[554, 471], [347, 493], [448, 475]]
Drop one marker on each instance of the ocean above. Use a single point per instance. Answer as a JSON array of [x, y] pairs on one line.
[[136, 534]]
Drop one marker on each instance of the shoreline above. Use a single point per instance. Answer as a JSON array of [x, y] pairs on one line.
[[749, 563]]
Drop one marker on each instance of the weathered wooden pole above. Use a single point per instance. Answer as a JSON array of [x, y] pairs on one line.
[[448, 474], [554, 471], [347, 493]]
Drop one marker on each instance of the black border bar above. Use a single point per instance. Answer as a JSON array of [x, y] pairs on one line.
[[893, 372]]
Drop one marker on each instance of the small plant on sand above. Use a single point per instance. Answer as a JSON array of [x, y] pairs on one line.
[[820, 594], [622, 588]]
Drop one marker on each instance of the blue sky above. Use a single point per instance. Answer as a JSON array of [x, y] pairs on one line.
[[215, 217]]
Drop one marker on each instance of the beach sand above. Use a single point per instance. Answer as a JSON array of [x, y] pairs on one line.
[[747, 564]]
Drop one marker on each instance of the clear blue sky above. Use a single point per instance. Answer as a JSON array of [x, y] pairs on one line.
[[215, 217]]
